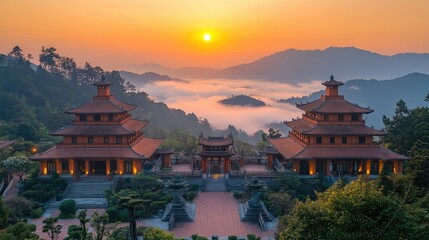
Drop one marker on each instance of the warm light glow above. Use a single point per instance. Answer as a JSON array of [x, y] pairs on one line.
[[34, 150], [71, 172], [207, 37], [45, 171], [120, 172], [134, 170], [86, 172], [368, 171]]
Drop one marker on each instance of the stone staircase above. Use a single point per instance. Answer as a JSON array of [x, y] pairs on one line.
[[215, 185], [89, 187], [89, 192]]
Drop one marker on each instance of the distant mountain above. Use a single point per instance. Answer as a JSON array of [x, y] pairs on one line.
[[381, 96], [300, 66], [297, 66], [185, 72], [141, 79], [242, 100]]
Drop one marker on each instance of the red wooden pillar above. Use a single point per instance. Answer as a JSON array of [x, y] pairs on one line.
[[226, 166], [204, 164], [270, 161]]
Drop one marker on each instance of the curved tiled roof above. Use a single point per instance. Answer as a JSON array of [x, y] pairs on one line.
[[332, 106], [108, 105], [216, 141], [5, 143], [143, 148], [310, 128], [375, 152], [130, 127], [287, 146]]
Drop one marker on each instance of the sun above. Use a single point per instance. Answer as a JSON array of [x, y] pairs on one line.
[[207, 37]]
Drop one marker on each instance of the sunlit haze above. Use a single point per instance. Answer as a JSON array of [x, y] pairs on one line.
[[114, 34]]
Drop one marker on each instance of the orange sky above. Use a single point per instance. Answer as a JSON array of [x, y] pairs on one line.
[[116, 33]]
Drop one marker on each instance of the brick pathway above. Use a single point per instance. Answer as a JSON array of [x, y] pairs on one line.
[[254, 167], [217, 214], [183, 167]]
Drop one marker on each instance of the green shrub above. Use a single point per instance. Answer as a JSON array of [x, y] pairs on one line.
[[193, 187], [189, 196], [123, 232], [252, 237], [38, 212], [68, 208], [232, 238], [238, 195]]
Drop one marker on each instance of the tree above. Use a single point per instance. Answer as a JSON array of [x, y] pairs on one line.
[[152, 233], [83, 221], [18, 165], [244, 149], [281, 203], [68, 65], [17, 56], [181, 140], [102, 227], [358, 210], [20, 208], [418, 166], [19, 231], [130, 200], [48, 58], [274, 133], [51, 227], [4, 214]]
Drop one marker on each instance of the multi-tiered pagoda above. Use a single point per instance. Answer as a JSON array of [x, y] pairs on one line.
[[102, 140], [332, 138]]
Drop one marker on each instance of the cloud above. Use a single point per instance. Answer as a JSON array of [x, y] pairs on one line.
[[201, 97]]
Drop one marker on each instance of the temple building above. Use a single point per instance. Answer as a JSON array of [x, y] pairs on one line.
[[216, 155], [332, 138], [103, 139]]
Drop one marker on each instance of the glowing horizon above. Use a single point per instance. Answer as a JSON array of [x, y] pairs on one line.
[[114, 34]]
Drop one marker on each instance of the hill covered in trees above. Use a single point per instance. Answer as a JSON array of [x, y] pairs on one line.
[[242, 100]]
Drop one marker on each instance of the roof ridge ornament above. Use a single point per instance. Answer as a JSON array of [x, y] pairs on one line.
[[331, 78]]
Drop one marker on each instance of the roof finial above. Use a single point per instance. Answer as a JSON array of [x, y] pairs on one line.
[[332, 78], [103, 78]]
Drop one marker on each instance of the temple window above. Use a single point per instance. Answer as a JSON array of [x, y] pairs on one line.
[[344, 140], [106, 140], [74, 140], [355, 117], [90, 139], [332, 140], [361, 139], [319, 140], [65, 166], [340, 117], [110, 117], [82, 118], [326, 117], [97, 118], [118, 140]]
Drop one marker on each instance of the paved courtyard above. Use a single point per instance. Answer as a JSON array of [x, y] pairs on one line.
[[217, 214], [254, 167], [182, 167]]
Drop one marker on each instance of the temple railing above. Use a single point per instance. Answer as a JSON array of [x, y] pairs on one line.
[[261, 222], [195, 173], [253, 173], [278, 166], [171, 222]]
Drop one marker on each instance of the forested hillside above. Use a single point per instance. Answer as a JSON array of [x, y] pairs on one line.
[[32, 102]]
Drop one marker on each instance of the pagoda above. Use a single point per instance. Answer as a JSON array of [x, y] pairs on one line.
[[332, 138], [103, 139], [216, 154]]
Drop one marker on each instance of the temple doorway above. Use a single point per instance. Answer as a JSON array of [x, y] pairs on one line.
[[215, 168], [304, 167], [97, 167]]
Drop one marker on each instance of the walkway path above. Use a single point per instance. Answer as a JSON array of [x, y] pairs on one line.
[[12, 189], [217, 214]]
